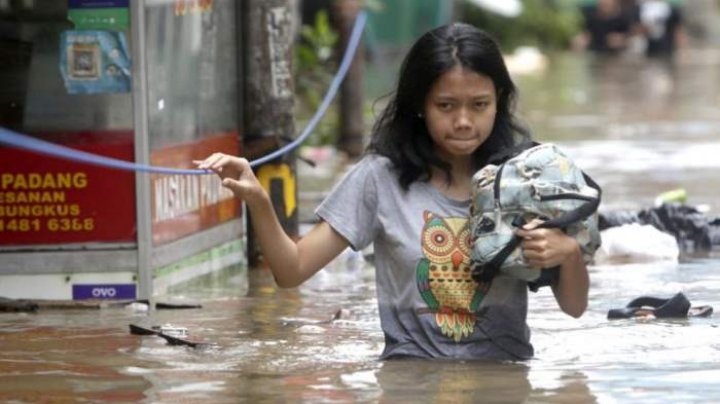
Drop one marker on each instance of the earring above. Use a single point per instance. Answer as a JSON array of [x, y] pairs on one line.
[[420, 115]]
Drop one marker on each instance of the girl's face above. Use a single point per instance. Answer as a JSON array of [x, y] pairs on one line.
[[460, 112]]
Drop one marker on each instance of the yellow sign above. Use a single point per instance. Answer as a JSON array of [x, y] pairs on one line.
[[269, 172]]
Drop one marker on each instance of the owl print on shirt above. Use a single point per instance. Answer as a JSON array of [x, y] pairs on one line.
[[444, 275]]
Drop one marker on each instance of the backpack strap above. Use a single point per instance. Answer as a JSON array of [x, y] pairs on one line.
[[581, 212], [485, 273]]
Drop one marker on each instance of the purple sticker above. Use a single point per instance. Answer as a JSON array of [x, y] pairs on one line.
[[107, 291], [98, 3]]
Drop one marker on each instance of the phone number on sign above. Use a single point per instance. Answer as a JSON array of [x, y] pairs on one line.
[[74, 224]]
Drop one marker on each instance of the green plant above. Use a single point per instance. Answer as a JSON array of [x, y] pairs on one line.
[[314, 68]]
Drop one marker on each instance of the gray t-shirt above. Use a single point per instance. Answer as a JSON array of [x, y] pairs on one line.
[[429, 305]]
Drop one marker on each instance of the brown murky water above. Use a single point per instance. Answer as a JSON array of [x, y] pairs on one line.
[[638, 129]]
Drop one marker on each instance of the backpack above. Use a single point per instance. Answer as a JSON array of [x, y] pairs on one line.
[[539, 182]]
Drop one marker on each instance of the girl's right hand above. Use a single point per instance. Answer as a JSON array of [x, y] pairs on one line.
[[235, 173]]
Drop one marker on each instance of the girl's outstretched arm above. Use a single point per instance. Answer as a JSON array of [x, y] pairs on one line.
[[291, 263], [547, 248]]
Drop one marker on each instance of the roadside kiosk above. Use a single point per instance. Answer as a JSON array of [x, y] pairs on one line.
[[154, 82]]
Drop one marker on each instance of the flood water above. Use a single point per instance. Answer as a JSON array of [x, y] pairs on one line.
[[638, 128]]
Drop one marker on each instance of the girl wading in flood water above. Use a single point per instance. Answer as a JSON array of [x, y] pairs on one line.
[[410, 197]]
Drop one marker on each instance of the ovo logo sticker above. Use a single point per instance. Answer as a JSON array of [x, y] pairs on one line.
[[104, 291]]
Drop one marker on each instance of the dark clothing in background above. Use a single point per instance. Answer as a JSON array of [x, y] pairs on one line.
[[661, 23], [599, 27]]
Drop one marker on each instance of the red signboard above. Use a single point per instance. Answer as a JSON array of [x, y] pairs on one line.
[[185, 204], [47, 200]]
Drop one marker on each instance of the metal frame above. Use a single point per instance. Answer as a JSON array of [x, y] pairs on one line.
[[59, 262], [196, 243], [142, 149], [150, 257]]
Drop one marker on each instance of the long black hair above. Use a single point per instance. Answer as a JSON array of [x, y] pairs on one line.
[[400, 132]]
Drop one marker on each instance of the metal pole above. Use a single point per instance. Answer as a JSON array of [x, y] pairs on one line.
[[142, 150], [269, 105]]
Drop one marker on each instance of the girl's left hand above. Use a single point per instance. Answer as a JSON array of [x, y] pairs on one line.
[[545, 248]]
